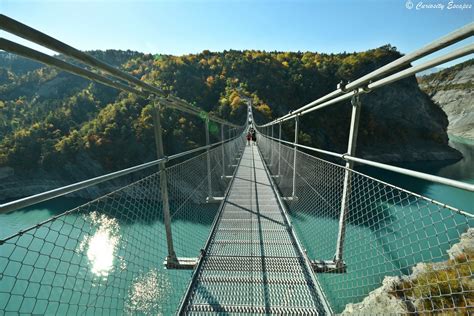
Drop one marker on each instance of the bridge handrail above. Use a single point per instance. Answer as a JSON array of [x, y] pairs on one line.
[[27, 52], [404, 171], [19, 29], [364, 84], [61, 191]]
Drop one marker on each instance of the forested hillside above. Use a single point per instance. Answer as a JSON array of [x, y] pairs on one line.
[[49, 118]]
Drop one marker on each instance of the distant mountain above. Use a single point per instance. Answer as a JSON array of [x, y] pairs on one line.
[[429, 71], [62, 128], [453, 90], [21, 66]]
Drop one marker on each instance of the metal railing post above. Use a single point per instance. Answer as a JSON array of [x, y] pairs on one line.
[[271, 149], [171, 259], [297, 119], [222, 148], [209, 177], [265, 154], [279, 149], [351, 148]]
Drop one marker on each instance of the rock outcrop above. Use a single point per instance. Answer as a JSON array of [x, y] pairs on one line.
[[465, 245], [430, 284], [453, 90], [399, 123], [379, 301]]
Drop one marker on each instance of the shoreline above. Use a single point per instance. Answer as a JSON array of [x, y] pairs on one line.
[[460, 139], [16, 186]]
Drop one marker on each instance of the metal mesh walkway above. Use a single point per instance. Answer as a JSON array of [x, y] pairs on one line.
[[253, 263]]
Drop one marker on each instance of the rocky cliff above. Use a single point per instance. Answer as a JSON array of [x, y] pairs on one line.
[[399, 123], [453, 90], [446, 285]]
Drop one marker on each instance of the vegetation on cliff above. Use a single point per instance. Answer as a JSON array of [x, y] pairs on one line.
[[444, 287], [47, 116], [443, 79]]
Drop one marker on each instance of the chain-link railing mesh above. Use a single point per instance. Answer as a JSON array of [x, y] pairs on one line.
[[106, 256], [389, 232]]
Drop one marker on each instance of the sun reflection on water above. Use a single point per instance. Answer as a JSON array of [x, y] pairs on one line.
[[102, 246], [148, 293]]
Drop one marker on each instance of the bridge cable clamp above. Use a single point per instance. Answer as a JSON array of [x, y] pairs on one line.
[[342, 86], [355, 100], [163, 101], [365, 88]]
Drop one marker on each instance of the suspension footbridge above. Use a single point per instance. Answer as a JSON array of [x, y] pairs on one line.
[[279, 229], [253, 263]]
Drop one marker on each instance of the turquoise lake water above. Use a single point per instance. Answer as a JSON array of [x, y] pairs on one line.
[[93, 262], [462, 170], [88, 263]]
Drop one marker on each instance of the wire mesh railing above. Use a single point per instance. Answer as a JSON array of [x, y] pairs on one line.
[[106, 256], [390, 232]]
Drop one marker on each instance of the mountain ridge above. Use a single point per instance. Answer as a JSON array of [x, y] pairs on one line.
[[50, 119]]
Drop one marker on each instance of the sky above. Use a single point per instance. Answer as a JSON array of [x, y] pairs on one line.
[[180, 27]]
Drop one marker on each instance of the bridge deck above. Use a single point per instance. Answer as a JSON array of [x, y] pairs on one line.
[[253, 264]]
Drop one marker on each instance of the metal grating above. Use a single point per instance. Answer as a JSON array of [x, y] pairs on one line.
[[253, 264]]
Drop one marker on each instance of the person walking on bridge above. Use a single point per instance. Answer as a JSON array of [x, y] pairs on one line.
[[254, 136], [249, 137]]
